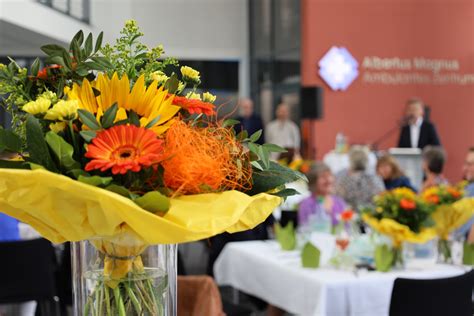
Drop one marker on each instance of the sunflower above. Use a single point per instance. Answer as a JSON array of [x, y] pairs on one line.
[[149, 103], [124, 148]]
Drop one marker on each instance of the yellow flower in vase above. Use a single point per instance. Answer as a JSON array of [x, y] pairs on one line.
[[57, 127], [40, 106], [193, 96], [160, 77], [208, 97], [190, 75]]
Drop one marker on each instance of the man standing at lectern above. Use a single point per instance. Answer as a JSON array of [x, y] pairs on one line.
[[416, 131]]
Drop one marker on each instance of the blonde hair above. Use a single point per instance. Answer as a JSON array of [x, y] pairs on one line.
[[393, 163]]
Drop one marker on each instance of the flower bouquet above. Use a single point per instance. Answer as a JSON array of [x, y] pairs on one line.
[[113, 147], [403, 216], [451, 212]]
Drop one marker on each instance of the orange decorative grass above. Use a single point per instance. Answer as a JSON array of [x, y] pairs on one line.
[[204, 159]]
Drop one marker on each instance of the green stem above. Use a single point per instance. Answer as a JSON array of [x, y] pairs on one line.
[[107, 300], [119, 301], [73, 137], [142, 297], [134, 299], [152, 293]]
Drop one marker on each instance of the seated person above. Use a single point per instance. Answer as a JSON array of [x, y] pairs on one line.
[[389, 170], [433, 164], [468, 171], [357, 186], [322, 203]]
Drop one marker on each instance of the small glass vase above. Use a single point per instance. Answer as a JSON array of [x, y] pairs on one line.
[[123, 276], [450, 250]]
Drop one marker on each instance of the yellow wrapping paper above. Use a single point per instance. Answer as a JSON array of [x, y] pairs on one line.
[[62, 209], [450, 217], [398, 232]]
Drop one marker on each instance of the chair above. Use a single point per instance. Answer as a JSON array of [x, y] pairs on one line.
[[436, 297], [28, 269], [198, 295]]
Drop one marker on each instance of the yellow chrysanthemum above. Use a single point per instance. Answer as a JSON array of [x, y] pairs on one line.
[[159, 76], [40, 106], [57, 127], [193, 96], [190, 75], [404, 193], [63, 111], [208, 97], [149, 103]]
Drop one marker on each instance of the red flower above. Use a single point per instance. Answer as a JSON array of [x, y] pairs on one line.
[[347, 215], [454, 193], [124, 148], [433, 199], [407, 205], [194, 106], [43, 73]]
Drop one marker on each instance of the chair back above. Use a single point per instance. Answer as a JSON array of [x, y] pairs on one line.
[[436, 297], [27, 269]]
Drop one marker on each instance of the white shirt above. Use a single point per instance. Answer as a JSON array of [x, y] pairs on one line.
[[415, 132], [284, 134]]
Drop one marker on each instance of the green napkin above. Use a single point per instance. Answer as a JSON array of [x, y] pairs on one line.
[[310, 256], [286, 236], [383, 258], [468, 257]]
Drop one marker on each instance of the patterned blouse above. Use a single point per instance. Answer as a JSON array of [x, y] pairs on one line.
[[358, 188]]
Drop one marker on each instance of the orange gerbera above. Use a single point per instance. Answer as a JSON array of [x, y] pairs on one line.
[[407, 205], [433, 199], [454, 193], [194, 106], [124, 148]]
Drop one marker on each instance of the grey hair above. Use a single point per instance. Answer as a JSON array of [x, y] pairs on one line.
[[317, 169], [358, 158]]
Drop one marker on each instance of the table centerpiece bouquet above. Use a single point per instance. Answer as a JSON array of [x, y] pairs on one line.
[[402, 216], [452, 211], [113, 147]]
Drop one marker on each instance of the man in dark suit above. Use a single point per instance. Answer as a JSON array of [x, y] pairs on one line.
[[249, 121], [417, 132]]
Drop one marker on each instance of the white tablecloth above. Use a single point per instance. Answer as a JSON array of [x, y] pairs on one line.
[[261, 269], [338, 162]]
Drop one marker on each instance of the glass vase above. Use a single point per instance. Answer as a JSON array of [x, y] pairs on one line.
[[123, 276], [450, 251]]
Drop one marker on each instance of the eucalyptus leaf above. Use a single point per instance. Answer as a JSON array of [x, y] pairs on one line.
[[53, 50], [62, 150], [273, 177], [95, 180], [88, 119], [78, 37], [274, 148], [256, 136], [98, 42], [154, 202], [36, 145], [88, 45], [257, 165], [76, 50], [109, 116]]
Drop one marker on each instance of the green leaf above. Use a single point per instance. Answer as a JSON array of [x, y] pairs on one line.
[[82, 71], [256, 136], [383, 258], [254, 148], [119, 190], [230, 122], [468, 254], [62, 150], [53, 50], [153, 122], [98, 42], [67, 60], [133, 118], [95, 180], [88, 136], [273, 177], [9, 141], [88, 119], [310, 256], [104, 61], [257, 165], [36, 145], [172, 83], [242, 135], [56, 60], [12, 164], [109, 116], [154, 202], [76, 173], [35, 67], [76, 50], [286, 236], [265, 156], [78, 37], [34, 166], [286, 192], [274, 148], [88, 45]]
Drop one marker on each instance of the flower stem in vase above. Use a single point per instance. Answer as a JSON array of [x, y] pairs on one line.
[[444, 250]]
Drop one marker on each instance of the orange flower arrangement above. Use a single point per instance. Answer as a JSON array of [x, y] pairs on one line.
[[124, 148], [43, 73], [194, 106], [407, 205]]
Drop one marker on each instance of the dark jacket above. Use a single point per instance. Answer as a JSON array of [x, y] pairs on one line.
[[402, 182], [428, 136], [251, 125]]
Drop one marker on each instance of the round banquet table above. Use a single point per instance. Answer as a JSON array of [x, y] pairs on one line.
[[261, 269]]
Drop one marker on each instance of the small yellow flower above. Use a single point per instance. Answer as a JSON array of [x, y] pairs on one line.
[[208, 97], [51, 96], [159, 76], [57, 127], [190, 75], [181, 86], [63, 111], [40, 106], [193, 96], [378, 209]]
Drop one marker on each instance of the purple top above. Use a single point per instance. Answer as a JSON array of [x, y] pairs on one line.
[[310, 206]]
